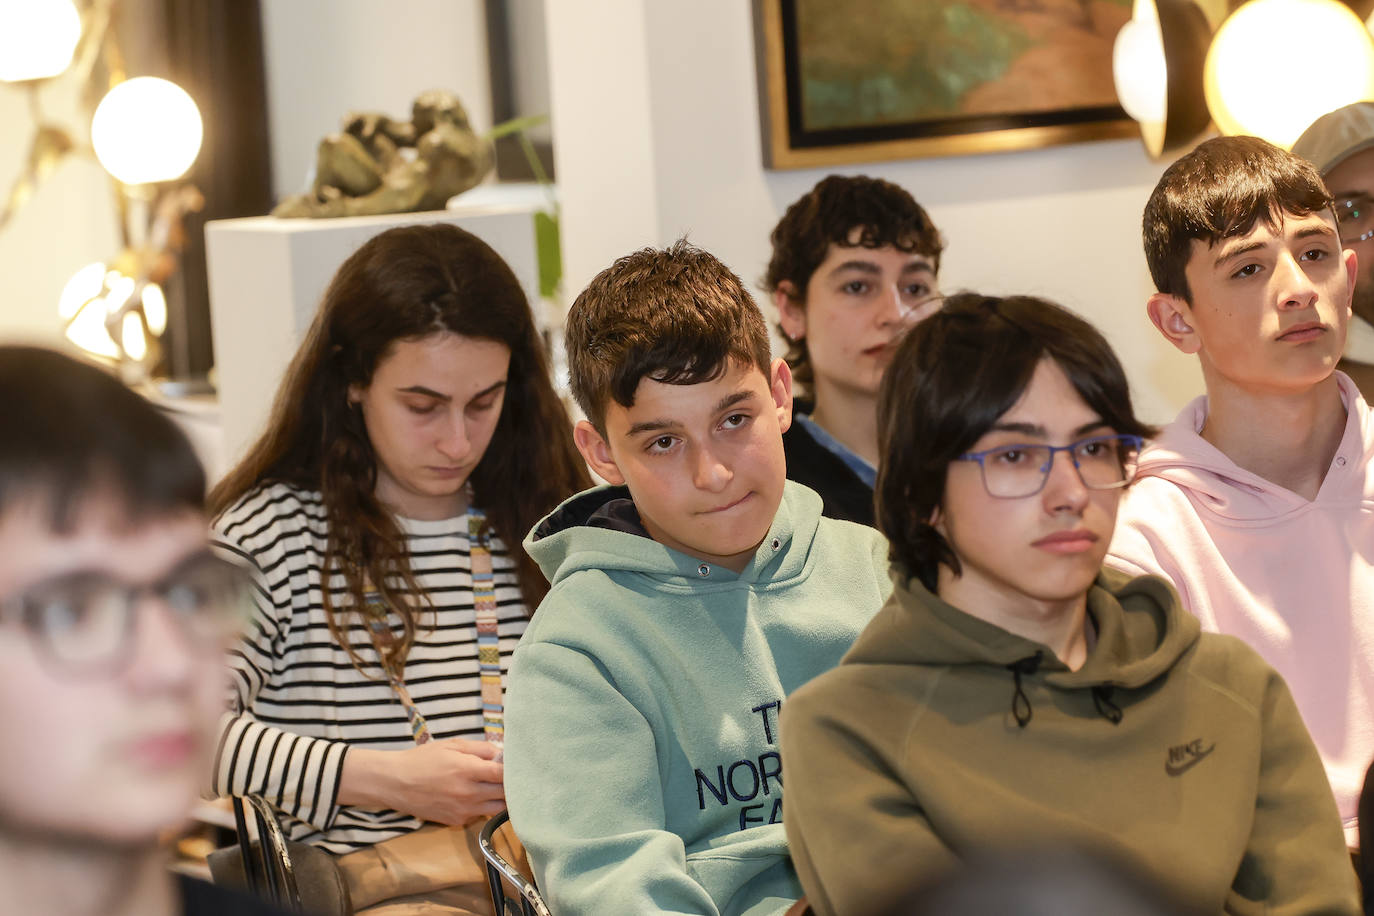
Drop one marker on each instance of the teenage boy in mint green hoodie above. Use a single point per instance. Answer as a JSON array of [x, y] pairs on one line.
[[688, 599]]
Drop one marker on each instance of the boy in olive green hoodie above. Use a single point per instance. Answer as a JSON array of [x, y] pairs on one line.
[[688, 600], [1012, 692]]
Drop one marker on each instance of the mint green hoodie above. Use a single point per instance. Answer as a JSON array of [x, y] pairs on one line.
[[642, 764]]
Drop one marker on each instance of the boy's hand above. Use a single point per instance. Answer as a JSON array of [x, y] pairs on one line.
[[448, 782]]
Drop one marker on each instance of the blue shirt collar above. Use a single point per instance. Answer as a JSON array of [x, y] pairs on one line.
[[861, 468]]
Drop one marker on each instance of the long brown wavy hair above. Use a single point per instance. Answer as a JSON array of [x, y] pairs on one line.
[[406, 284]]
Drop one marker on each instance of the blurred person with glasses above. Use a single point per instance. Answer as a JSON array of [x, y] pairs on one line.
[[1013, 693], [1341, 145], [114, 618]]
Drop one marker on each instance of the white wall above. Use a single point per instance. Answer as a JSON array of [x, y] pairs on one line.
[[326, 58], [657, 134]]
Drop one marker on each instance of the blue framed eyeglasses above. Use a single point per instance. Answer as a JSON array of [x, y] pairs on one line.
[[1014, 471]]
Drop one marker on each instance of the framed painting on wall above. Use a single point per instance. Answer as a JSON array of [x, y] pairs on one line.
[[868, 80]]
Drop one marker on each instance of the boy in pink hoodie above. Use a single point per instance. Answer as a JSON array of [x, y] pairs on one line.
[[1257, 502]]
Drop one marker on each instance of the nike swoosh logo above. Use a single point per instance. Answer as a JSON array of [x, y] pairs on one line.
[[1177, 769]]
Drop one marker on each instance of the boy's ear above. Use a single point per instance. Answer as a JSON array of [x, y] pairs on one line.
[[1174, 319], [780, 386], [597, 453], [791, 310]]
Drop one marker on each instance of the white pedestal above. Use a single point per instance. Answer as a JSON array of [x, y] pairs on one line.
[[267, 276]]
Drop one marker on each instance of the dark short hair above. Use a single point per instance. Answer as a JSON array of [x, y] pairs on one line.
[[952, 377], [885, 213], [677, 316], [1220, 190], [72, 432]]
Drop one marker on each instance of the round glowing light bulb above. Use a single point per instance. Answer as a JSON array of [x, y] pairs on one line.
[[37, 38], [87, 330], [145, 130], [120, 288], [1138, 68], [131, 336], [1250, 87], [155, 309], [85, 285]]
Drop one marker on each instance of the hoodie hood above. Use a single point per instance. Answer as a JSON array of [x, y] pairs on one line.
[[1142, 631], [1217, 485], [600, 529]]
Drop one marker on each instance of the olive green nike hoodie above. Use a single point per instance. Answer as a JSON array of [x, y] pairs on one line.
[[941, 734]]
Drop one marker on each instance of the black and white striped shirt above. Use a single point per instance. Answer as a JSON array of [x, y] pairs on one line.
[[297, 699]]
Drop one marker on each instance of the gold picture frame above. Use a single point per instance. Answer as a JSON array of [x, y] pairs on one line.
[[1026, 51]]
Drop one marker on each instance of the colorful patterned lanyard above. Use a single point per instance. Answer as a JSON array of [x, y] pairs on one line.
[[488, 640], [488, 643]]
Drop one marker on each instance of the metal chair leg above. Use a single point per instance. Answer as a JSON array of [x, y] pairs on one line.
[[531, 903]]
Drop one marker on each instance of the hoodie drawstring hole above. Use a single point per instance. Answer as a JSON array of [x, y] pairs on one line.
[[1102, 699], [1020, 703]]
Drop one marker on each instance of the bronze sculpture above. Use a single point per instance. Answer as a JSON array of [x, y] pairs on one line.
[[380, 165]]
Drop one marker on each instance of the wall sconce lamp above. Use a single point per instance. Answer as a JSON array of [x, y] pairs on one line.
[[1176, 79], [1157, 65], [1250, 92], [37, 40], [146, 130], [146, 133]]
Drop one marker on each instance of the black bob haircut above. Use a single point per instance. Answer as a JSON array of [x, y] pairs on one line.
[[952, 377], [72, 432]]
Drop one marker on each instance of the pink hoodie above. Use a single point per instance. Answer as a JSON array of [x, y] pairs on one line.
[[1294, 579]]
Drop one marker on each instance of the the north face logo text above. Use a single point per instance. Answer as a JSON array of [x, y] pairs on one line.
[[1183, 757], [748, 780]]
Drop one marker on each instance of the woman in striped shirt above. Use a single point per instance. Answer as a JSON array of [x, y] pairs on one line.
[[415, 436]]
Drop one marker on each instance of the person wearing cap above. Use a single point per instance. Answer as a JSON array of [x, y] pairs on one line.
[[1341, 145]]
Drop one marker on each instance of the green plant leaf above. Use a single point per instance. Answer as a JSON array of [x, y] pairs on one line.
[[516, 125], [550, 251]]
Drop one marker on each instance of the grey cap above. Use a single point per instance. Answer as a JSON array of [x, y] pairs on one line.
[[1337, 135]]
